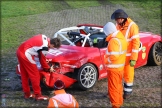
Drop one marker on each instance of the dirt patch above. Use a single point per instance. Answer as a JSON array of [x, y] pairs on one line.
[[146, 90]]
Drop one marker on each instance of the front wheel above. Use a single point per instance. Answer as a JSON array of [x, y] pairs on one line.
[[87, 76]]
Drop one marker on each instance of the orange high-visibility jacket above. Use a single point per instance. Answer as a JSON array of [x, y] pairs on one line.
[[116, 52], [131, 33], [62, 100]]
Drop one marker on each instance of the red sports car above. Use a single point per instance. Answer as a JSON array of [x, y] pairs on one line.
[[80, 58]]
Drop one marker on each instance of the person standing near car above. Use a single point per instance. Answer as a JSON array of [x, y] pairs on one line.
[[37, 45], [61, 99], [114, 60], [131, 32]]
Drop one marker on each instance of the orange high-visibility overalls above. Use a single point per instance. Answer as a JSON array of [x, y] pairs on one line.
[[131, 33], [115, 60], [62, 100]]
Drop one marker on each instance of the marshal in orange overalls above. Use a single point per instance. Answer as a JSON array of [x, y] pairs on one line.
[[130, 31], [115, 60]]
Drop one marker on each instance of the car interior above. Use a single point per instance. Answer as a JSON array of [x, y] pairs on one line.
[[78, 40], [101, 37]]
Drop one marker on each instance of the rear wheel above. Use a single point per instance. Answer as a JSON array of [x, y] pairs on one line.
[[155, 54], [87, 76]]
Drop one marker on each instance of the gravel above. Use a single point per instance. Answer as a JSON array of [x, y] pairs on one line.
[[146, 91]]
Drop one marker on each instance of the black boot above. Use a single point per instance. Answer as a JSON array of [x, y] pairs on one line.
[[126, 95]]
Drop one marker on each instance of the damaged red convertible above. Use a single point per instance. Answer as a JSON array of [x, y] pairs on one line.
[[80, 60]]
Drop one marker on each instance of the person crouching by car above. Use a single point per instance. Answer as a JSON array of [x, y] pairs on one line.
[[114, 59], [61, 98], [37, 45]]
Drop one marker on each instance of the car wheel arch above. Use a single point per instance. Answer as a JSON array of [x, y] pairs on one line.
[[150, 58]]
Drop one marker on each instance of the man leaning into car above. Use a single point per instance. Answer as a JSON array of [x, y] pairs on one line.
[[131, 32], [114, 59], [35, 46]]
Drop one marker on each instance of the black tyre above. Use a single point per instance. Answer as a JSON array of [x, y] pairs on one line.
[[155, 54], [87, 76]]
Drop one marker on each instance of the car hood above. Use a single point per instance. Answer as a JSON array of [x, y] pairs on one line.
[[66, 53]]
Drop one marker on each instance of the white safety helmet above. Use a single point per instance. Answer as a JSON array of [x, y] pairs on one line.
[[109, 28]]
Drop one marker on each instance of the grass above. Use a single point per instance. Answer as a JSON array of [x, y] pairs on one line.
[[82, 3], [22, 8], [14, 16]]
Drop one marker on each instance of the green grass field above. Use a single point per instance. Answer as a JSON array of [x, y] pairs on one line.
[[14, 16]]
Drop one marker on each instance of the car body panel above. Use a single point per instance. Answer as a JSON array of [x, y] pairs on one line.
[[147, 39], [69, 58], [76, 57]]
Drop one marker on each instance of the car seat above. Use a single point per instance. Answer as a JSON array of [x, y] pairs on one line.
[[100, 36]]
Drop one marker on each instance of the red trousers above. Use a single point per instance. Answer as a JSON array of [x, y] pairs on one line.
[[28, 71], [115, 88]]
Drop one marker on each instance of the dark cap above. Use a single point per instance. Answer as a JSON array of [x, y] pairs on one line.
[[119, 13], [59, 85]]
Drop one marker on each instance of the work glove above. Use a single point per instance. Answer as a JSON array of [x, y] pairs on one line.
[[132, 63], [95, 40]]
